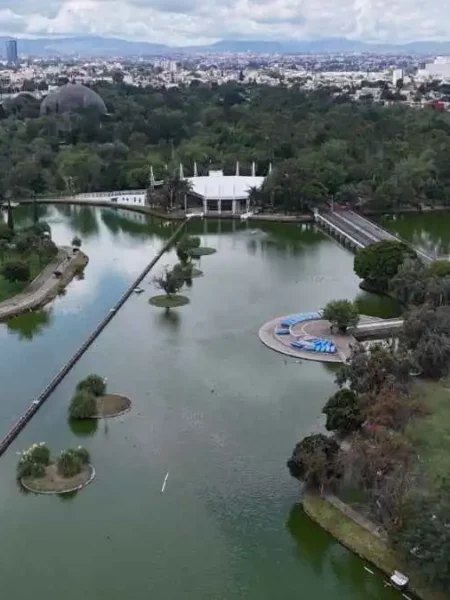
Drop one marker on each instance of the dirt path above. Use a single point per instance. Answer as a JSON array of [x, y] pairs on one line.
[[46, 285]]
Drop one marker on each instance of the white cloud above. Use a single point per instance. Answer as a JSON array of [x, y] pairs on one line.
[[199, 21]]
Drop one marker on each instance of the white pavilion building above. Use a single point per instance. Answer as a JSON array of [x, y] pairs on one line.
[[219, 193]]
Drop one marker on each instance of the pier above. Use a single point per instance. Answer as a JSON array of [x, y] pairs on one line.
[[356, 231]]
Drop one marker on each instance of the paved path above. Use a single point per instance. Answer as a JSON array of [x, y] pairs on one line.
[[45, 286]]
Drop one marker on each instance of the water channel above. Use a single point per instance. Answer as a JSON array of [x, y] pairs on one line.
[[210, 404]]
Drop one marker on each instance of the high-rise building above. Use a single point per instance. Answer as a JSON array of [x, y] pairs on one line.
[[11, 52]]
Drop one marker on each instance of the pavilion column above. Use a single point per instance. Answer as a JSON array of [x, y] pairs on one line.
[[233, 205], [219, 206], [205, 206]]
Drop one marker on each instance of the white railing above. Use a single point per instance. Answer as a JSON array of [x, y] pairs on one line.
[[319, 217]]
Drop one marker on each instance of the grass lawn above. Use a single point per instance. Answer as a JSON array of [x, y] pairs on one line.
[[368, 546], [9, 289], [431, 435]]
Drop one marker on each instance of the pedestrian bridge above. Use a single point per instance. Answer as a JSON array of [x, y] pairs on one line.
[[377, 328], [356, 232]]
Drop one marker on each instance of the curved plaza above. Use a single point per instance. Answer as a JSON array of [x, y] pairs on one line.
[[306, 336]]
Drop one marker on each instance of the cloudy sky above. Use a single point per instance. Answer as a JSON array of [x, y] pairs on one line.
[[181, 22]]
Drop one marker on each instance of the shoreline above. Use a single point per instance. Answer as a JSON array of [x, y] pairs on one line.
[[360, 539], [45, 287]]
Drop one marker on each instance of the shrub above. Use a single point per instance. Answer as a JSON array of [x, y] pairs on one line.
[[188, 242], [28, 468], [82, 405], [76, 242], [343, 411], [33, 461], [16, 270], [94, 384], [82, 454], [69, 463]]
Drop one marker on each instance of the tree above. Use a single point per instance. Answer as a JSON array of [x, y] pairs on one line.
[[3, 249], [426, 333], [5, 232], [76, 242], [423, 536], [16, 270], [378, 263], [378, 462], [409, 285], [170, 282], [83, 405], [344, 412], [368, 372], [94, 384], [314, 460], [69, 463], [341, 313], [439, 268], [392, 408], [32, 462]]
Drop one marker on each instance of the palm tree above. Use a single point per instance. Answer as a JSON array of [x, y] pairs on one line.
[[176, 189]]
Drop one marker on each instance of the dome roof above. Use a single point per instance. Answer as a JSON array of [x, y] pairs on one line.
[[72, 96]]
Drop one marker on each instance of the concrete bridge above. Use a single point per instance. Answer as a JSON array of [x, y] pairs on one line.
[[372, 328], [356, 232]]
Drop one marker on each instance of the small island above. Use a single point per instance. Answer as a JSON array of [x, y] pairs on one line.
[[69, 472], [91, 400]]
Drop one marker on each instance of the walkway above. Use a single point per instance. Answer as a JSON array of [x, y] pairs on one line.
[[46, 285], [359, 232]]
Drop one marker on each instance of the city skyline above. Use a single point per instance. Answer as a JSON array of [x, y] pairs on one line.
[[188, 22]]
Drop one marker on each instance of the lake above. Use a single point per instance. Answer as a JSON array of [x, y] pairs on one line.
[[211, 405]]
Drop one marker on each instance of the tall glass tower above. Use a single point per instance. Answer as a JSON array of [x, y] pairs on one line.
[[11, 52]]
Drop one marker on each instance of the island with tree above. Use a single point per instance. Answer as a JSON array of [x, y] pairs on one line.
[[92, 401], [69, 472]]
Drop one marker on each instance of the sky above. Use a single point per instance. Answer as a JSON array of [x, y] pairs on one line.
[[185, 22]]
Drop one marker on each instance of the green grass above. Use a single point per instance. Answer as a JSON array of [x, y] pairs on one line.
[[173, 301], [368, 546], [431, 434], [9, 289]]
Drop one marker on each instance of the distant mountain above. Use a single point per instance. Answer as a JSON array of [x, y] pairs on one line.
[[96, 46]]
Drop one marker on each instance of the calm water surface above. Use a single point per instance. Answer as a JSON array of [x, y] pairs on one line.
[[210, 404]]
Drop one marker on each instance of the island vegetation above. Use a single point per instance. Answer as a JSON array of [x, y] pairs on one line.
[[387, 457], [69, 472], [323, 146], [24, 253], [91, 400]]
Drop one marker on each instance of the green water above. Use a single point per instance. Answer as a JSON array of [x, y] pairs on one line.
[[211, 405], [428, 231]]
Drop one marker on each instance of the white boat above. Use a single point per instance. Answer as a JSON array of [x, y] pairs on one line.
[[138, 290], [399, 580]]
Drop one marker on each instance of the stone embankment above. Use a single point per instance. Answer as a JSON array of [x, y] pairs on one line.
[[46, 285]]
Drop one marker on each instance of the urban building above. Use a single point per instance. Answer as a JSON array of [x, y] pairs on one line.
[[12, 56]]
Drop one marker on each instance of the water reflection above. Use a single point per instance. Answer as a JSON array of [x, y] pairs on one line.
[[30, 324], [170, 318], [312, 542], [83, 220], [83, 427]]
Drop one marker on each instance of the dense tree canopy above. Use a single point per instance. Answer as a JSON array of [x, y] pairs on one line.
[[378, 263], [321, 146]]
